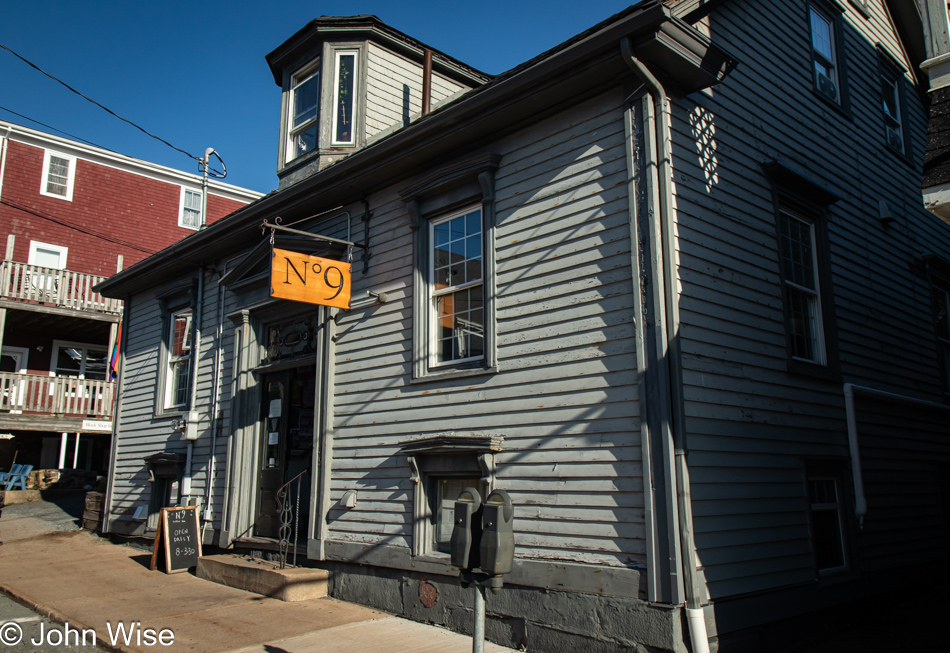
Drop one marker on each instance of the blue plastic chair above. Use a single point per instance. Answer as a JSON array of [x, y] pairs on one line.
[[18, 476]]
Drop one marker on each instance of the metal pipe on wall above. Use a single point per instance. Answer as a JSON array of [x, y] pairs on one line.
[[216, 380], [427, 82], [687, 559], [850, 390], [193, 397]]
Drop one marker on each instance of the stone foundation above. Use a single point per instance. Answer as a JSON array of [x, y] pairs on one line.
[[519, 617]]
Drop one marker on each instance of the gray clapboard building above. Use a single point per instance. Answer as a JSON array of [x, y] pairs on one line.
[[670, 284]]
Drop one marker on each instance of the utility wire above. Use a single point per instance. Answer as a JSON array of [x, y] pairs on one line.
[[43, 124], [106, 109], [111, 239]]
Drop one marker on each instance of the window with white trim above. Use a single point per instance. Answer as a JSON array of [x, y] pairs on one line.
[[456, 291], [344, 98], [47, 255], [49, 258], [799, 265], [941, 304], [824, 53], [59, 174], [189, 213], [828, 537], [178, 366], [303, 111]]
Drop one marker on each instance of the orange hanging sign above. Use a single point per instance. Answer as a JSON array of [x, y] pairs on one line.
[[311, 279]]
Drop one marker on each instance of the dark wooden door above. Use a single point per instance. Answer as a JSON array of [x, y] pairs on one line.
[[272, 453], [286, 449]]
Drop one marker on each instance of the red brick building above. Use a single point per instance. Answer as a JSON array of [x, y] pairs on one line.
[[72, 215]]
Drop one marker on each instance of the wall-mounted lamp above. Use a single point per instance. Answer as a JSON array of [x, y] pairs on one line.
[[370, 299]]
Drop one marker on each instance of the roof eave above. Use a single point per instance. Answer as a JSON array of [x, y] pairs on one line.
[[500, 107]]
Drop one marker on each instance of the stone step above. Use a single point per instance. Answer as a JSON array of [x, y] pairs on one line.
[[263, 577]]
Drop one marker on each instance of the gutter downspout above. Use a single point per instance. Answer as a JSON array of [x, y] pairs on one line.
[[850, 390], [427, 82], [192, 403], [694, 610], [219, 329]]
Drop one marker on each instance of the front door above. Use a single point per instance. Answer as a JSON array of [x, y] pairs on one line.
[[286, 451]]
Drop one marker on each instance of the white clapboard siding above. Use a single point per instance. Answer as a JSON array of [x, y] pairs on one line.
[[394, 89], [566, 398], [751, 424]]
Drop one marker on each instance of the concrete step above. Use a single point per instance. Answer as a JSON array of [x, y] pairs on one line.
[[263, 577]]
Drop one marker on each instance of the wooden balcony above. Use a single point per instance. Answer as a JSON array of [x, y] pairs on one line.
[[27, 285], [53, 403]]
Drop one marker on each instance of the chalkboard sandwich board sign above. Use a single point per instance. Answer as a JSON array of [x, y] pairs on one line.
[[179, 534]]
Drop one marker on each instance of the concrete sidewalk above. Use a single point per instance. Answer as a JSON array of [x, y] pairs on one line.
[[87, 582]]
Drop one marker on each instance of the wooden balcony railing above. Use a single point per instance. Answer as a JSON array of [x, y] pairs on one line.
[[62, 288], [58, 395]]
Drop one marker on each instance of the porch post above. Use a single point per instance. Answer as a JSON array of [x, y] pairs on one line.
[[62, 451], [76, 453]]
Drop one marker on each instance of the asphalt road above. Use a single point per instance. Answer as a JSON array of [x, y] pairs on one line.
[[26, 520], [22, 629]]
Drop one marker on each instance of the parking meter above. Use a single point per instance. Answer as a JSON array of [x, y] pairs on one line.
[[498, 540], [467, 529]]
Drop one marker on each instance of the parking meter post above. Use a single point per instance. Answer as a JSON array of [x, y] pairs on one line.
[[478, 637], [482, 547]]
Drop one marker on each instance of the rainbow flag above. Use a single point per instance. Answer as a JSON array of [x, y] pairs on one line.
[[114, 361]]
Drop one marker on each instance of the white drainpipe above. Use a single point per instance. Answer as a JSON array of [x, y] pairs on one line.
[[192, 404], [695, 617], [850, 390]]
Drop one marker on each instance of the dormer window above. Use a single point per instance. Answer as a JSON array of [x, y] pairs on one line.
[[304, 111], [344, 98]]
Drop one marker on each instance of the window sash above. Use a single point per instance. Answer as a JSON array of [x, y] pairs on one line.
[[179, 358], [304, 112], [344, 101], [827, 524], [59, 172], [824, 48], [456, 288], [191, 209], [445, 490], [81, 362], [798, 249], [57, 177], [891, 108]]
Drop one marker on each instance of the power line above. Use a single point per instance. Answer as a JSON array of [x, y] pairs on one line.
[[111, 239], [106, 109], [43, 124]]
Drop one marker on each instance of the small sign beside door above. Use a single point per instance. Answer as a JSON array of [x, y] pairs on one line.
[[311, 279]]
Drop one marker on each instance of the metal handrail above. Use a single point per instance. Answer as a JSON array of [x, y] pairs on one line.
[[283, 509]]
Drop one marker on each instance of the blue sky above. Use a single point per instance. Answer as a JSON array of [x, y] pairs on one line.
[[194, 72]]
